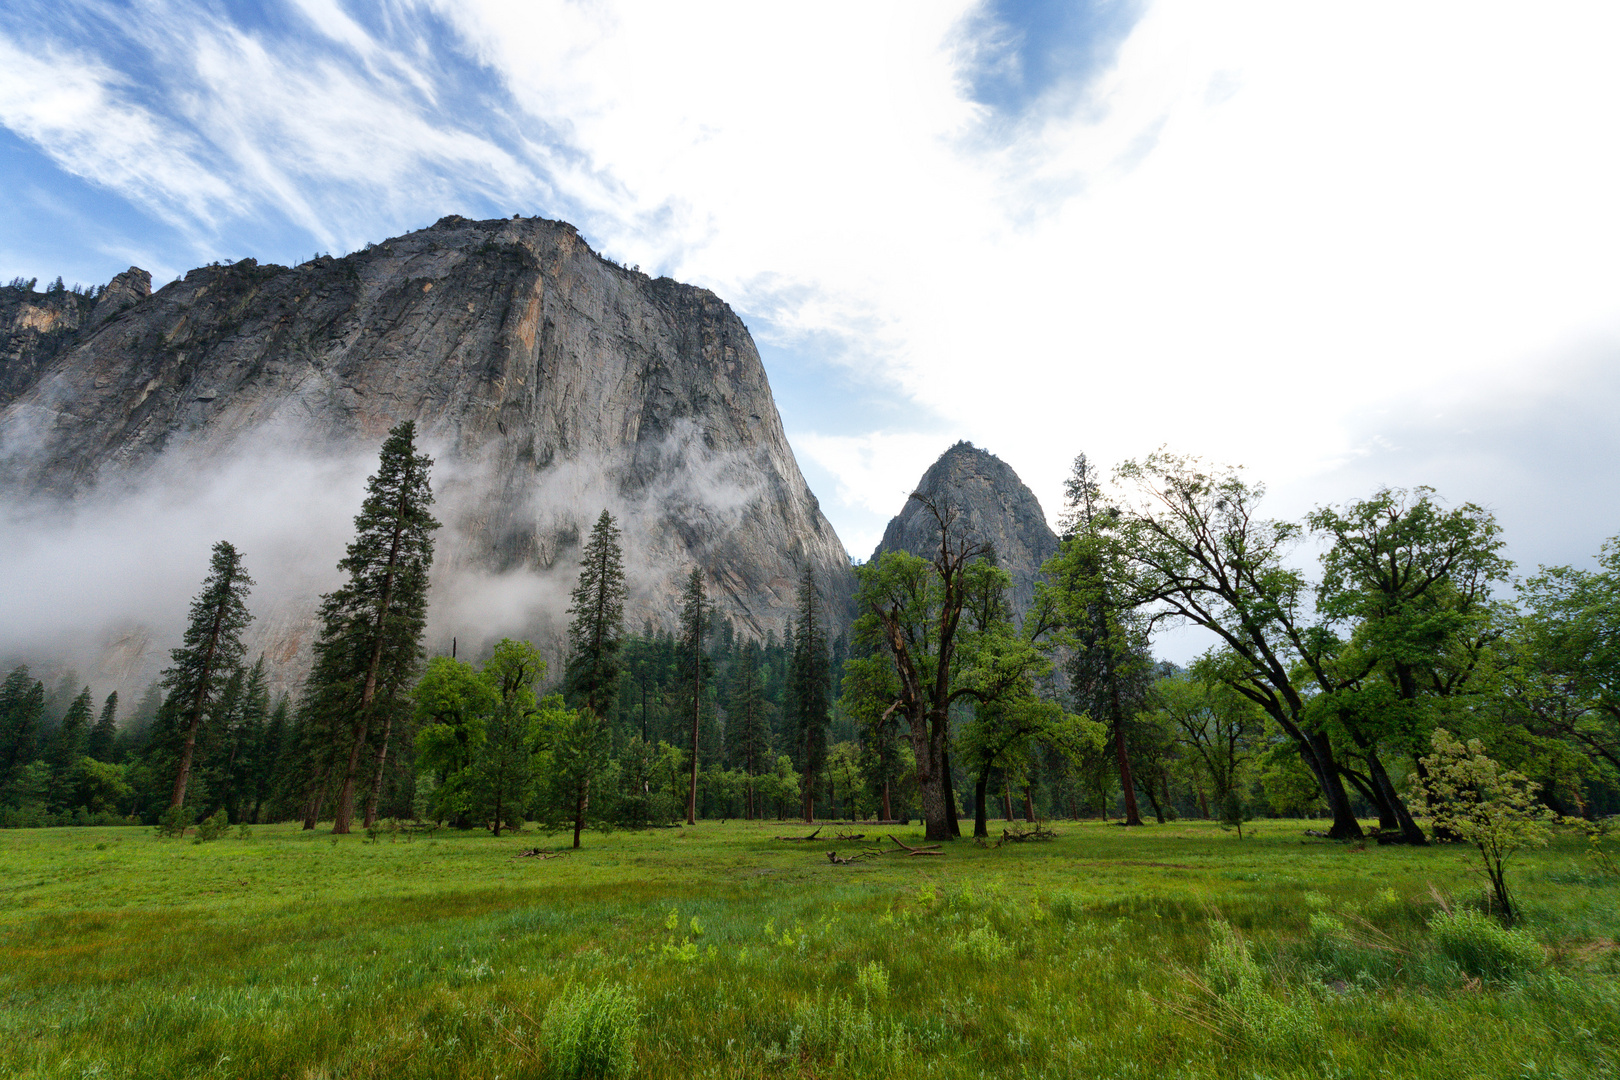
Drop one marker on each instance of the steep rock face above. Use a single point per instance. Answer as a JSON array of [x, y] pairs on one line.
[[548, 382], [994, 505]]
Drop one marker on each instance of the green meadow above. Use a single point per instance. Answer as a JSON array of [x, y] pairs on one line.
[[717, 950]]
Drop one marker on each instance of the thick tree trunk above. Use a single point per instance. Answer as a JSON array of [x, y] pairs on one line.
[[1006, 800], [981, 825], [888, 814], [1345, 826], [314, 796], [1133, 816], [580, 806], [1410, 832], [344, 814], [1029, 804], [376, 781], [951, 811]]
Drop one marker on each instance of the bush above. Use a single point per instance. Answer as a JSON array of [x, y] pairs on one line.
[[214, 827], [589, 1033], [1483, 947], [174, 821]]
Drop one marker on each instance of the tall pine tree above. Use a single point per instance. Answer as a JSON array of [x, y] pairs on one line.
[[746, 713], [67, 748], [596, 635], [694, 664], [595, 640], [809, 692], [209, 654], [103, 743], [22, 706], [370, 644]]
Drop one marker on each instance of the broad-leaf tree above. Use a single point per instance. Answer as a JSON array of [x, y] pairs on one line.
[[912, 609], [1188, 545]]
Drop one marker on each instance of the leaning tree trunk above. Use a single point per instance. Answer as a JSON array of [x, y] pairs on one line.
[[178, 797], [1410, 833], [1345, 826], [377, 780]]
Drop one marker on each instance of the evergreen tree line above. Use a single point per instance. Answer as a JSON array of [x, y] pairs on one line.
[[1321, 696]]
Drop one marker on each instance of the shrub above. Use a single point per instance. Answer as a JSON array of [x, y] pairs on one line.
[[213, 828], [1483, 947], [174, 821], [589, 1034], [1476, 800]]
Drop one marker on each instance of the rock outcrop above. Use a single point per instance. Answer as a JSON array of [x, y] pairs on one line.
[[994, 506], [548, 382]]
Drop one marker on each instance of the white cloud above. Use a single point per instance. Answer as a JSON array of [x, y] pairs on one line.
[[1264, 224]]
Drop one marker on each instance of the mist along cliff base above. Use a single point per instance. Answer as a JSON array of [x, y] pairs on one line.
[[719, 950], [548, 383]]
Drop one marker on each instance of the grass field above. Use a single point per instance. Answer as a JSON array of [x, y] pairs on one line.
[[1160, 952]]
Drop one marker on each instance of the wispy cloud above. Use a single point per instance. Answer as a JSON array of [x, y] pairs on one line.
[[1047, 228]]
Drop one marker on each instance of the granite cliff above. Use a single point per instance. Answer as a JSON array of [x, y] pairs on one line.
[[548, 382], [994, 506]]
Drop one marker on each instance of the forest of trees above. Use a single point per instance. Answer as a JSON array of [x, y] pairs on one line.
[[1321, 694]]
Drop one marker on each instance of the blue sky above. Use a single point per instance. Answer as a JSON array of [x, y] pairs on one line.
[[1344, 247]]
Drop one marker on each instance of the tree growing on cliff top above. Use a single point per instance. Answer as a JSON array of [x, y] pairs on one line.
[[370, 644], [208, 656]]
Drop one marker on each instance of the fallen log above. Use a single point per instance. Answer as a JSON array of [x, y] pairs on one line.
[[536, 853], [850, 836], [800, 839], [930, 850], [845, 860], [1015, 836]]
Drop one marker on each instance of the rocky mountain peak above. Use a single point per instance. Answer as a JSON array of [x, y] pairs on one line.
[[995, 507], [548, 382]]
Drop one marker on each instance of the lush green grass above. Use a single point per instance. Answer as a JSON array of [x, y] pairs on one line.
[[1100, 954]]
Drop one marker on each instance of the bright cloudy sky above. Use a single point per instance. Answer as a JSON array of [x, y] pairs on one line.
[[1344, 245]]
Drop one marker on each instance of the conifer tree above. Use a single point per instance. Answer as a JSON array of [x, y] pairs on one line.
[[370, 644], [809, 691], [67, 748], [103, 741], [596, 639], [694, 623], [270, 758], [22, 705], [208, 655], [596, 635], [747, 712]]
